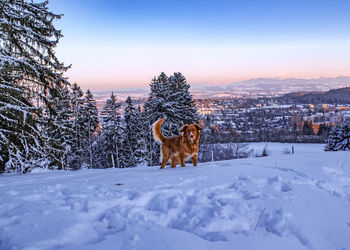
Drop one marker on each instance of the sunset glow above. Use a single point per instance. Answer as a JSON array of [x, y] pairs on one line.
[[118, 44]]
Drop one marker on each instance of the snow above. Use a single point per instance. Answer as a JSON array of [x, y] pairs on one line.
[[283, 201]]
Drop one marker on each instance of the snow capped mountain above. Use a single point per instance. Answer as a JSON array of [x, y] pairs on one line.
[[283, 201]]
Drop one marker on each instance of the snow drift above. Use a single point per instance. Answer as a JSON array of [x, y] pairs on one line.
[[282, 201]]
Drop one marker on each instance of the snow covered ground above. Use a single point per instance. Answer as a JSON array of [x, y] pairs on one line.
[[282, 201]]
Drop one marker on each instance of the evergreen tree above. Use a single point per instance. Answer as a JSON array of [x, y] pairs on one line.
[[323, 130], [132, 141], [111, 133], [77, 101], [345, 135], [169, 98], [58, 128], [99, 155], [20, 139], [308, 128], [152, 112], [29, 71], [182, 97], [141, 134], [333, 140], [339, 138], [90, 122]]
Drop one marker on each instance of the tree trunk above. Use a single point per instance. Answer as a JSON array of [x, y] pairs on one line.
[[90, 146]]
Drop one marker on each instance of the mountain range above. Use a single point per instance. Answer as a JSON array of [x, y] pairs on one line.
[[268, 87], [253, 88]]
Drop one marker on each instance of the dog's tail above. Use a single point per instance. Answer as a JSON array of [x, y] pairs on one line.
[[157, 133]]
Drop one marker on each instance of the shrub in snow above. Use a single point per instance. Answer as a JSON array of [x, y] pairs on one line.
[[265, 152], [240, 149], [220, 152], [339, 138]]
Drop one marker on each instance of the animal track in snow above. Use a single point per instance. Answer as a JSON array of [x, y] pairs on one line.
[[211, 213]]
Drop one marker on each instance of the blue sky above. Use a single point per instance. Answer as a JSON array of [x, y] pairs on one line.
[[117, 44]]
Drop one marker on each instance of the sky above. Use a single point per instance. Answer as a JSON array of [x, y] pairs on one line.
[[115, 44]]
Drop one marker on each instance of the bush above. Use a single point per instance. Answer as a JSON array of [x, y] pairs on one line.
[[228, 151], [265, 152]]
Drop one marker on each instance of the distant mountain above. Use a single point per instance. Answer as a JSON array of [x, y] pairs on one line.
[[333, 96], [268, 87], [254, 88]]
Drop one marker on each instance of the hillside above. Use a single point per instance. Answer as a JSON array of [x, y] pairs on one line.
[[282, 201], [333, 96]]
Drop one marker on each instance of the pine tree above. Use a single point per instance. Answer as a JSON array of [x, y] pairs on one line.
[[29, 71], [183, 98], [345, 135], [323, 130], [20, 139], [308, 128], [111, 133], [339, 138], [99, 154], [152, 112], [132, 141], [332, 140], [58, 129], [169, 98], [77, 101], [90, 122], [141, 134]]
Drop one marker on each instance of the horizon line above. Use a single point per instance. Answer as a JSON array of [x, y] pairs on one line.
[[123, 89]]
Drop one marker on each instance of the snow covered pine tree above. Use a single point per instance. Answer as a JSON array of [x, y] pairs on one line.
[[89, 123], [339, 138], [29, 70], [77, 100], [132, 136], [111, 138], [58, 130]]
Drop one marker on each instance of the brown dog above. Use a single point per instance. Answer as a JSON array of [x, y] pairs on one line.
[[178, 148]]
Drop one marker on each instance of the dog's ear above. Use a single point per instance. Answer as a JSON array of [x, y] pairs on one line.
[[199, 128], [184, 127]]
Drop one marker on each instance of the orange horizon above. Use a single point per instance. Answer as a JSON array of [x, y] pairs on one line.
[[121, 84]]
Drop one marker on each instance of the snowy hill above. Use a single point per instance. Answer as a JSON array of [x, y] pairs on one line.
[[282, 201]]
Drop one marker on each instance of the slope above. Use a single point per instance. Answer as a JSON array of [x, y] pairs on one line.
[[282, 201]]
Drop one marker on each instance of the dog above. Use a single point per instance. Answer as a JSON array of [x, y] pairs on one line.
[[178, 148]]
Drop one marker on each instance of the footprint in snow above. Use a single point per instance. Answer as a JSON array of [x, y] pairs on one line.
[[274, 179], [251, 195], [331, 189], [286, 187]]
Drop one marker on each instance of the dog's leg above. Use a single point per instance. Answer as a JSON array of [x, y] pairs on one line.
[[195, 160], [182, 160], [164, 160], [174, 162]]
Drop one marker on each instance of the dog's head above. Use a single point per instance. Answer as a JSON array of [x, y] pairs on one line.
[[191, 132]]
